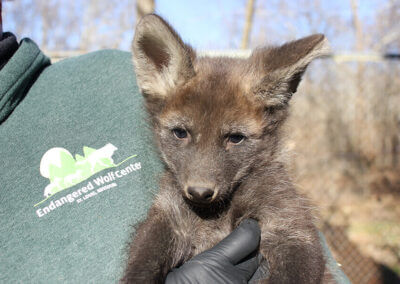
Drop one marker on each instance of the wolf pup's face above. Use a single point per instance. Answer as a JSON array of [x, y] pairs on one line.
[[214, 116]]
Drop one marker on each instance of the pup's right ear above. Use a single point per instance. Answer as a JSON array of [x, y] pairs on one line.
[[162, 60]]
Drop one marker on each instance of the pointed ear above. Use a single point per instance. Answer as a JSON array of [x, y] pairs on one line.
[[161, 59], [276, 72]]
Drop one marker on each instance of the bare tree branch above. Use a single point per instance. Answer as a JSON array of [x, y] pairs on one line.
[[144, 7], [248, 24]]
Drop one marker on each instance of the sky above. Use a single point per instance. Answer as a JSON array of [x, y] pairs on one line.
[[203, 24], [218, 24], [210, 24]]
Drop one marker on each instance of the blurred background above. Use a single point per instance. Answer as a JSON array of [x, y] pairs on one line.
[[344, 131]]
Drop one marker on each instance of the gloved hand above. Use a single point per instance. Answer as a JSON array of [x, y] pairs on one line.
[[233, 260]]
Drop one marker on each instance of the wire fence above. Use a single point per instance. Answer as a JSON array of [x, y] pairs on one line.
[[243, 53], [358, 267]]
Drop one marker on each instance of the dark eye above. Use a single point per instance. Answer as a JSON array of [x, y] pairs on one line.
[[180, 133], [236, 138]]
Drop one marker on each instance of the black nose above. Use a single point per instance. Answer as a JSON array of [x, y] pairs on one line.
[[200, 194]]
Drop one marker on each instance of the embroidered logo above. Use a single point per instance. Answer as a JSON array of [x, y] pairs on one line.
[[65, 171]]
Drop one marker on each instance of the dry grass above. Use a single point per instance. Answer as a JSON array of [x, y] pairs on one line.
[[345, 135]]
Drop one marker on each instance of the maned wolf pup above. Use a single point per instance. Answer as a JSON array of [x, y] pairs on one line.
[[217, 125]]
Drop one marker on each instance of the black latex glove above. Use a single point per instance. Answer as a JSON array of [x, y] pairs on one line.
[[228, 262]]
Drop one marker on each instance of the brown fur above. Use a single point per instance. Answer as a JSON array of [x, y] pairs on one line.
[[213, 98]]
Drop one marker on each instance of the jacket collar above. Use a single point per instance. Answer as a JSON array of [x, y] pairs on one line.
[[19, 74]]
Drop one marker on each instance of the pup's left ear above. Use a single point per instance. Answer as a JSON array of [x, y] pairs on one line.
[[275, 73]]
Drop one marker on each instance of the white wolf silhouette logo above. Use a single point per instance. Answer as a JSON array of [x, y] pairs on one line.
[[63, 171]]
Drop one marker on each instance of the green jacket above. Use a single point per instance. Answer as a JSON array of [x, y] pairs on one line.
[[77, 166]]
